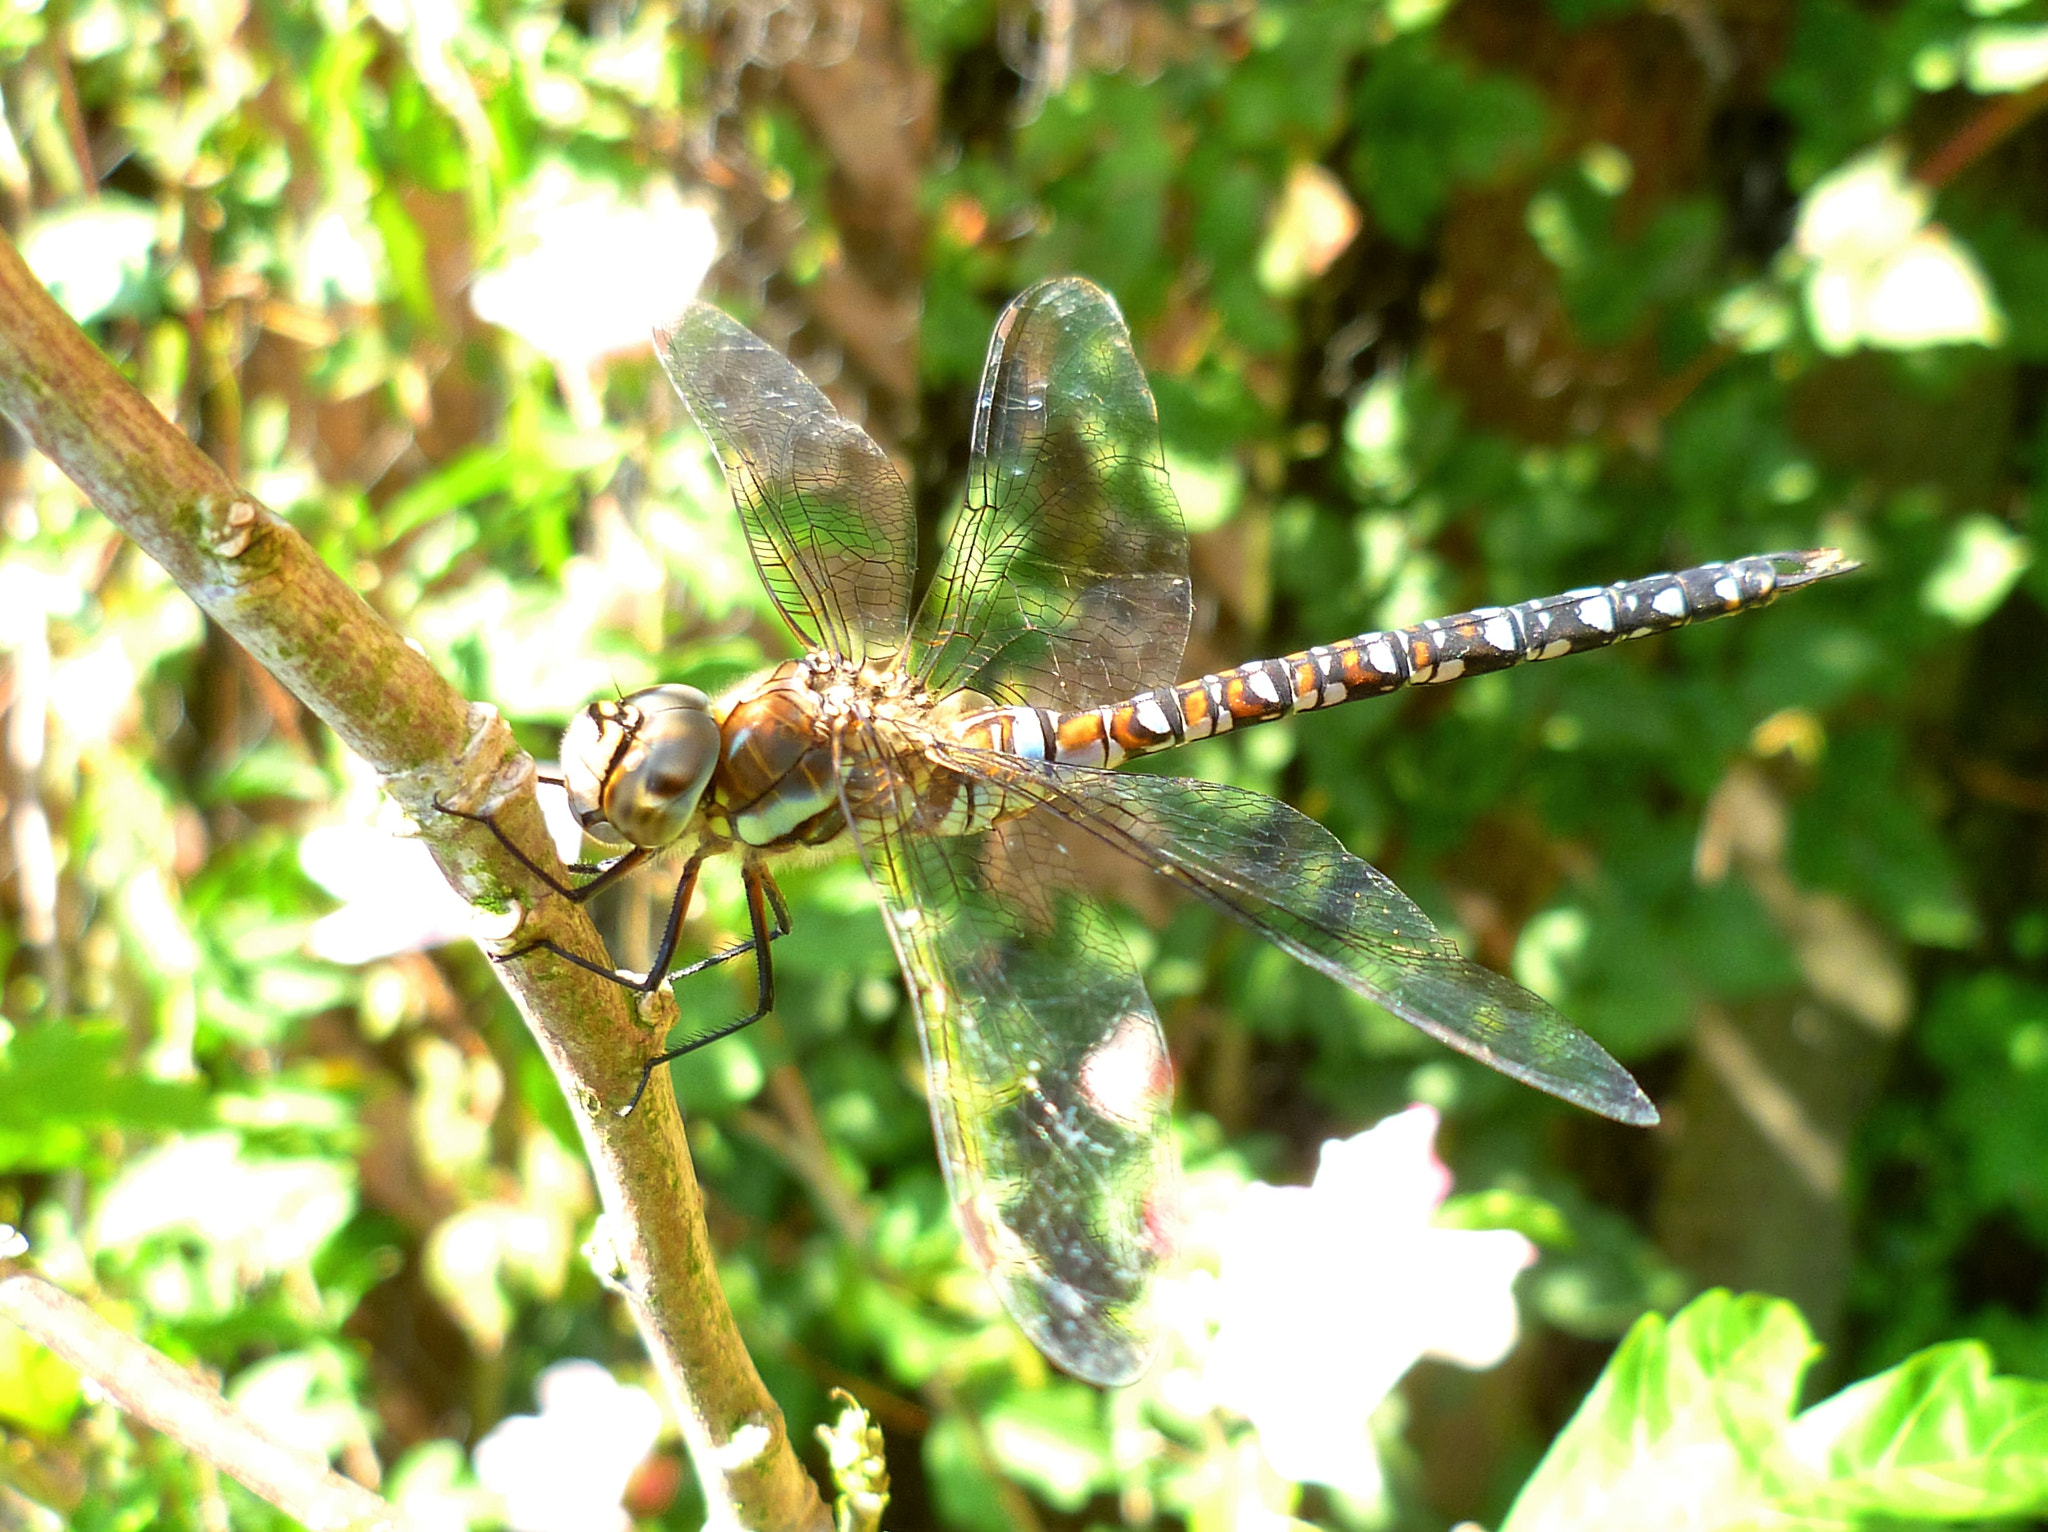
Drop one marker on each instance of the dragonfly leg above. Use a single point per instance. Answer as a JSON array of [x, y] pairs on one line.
[[664, 954], [762, 894], [780, 927], [606, 874]]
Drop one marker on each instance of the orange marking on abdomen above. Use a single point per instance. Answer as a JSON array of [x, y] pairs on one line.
[[1246, 704], [1370, 665], [1081, 740], [1130, 738]]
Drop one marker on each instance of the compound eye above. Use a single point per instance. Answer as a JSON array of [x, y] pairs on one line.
[[650, 787], [591, 745]]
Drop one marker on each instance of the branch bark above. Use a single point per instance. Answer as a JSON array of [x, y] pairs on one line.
[[158, 1392], [256, 577]]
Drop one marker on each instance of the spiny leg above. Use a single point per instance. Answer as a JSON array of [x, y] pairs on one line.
[[761, 895], [659, 969], [577, 893], [664, 954]]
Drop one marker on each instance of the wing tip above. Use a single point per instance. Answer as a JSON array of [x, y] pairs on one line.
[[1104, 1341], [1107, 1367], [1638, 1111], [1617, 1096]]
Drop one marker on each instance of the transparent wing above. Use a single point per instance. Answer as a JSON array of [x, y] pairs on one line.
[[1064, 583], [1293, 882], [1049, 1079], [826, 514]]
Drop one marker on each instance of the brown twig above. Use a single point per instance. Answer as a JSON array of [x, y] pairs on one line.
[[57, 59], [2002, 785], [1980, 135], [1684, 383], [266, 586], [155, 1390], [28, 822]]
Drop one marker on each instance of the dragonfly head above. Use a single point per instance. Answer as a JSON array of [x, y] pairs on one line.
[[635, 769]]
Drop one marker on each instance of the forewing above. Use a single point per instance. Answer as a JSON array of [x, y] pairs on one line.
[[1049, 1080], [1293, 882], [1064, 583], [826, 514]]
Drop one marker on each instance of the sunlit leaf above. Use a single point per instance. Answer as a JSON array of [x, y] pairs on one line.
[[38, 1390], [1691, 1425], [1683, 1428], [1937, 1437], [63, 1084]]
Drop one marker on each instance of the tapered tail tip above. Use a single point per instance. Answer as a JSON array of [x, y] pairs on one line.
[[1811, 564]]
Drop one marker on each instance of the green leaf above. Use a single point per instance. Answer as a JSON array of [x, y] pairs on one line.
[[462, 482], [1690, 1426], [963, 1483], [1682, 1429], [1424, 123], [37, 1389], [62, 1084], [1937, 1437], [1053, 1439]]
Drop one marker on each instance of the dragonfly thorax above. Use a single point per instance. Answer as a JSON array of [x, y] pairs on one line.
[[635, 768], [813, 739]]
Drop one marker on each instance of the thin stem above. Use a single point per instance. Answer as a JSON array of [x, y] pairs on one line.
[[1980, 135], [158, 1392]]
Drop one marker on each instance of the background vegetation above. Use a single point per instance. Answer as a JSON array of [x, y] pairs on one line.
[[1443, 304]]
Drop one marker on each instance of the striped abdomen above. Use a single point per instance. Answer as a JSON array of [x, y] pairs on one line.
[[1373, 664]]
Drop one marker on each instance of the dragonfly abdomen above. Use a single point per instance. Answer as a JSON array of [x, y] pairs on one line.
[[1373, 664]]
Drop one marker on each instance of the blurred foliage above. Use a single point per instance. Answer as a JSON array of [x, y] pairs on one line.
[[1563, 293]]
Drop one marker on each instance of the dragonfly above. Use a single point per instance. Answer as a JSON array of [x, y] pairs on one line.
[[966, 752]]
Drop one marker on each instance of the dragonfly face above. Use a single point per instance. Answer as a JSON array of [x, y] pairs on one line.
[[634, 769], [962, 752]]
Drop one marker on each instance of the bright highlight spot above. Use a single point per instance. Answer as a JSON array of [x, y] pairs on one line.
[[1983, 561], [1796, 732], [1878, 273], [1607, 170], [1329, 1293], [342, 262], [1757, 316], [394, 898], [2000, 59], [1547, 948], [588, 274], [566, 1469], [1314, 223], [1209, 489], [92, 256], [1376, 436], [265, 1215]]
